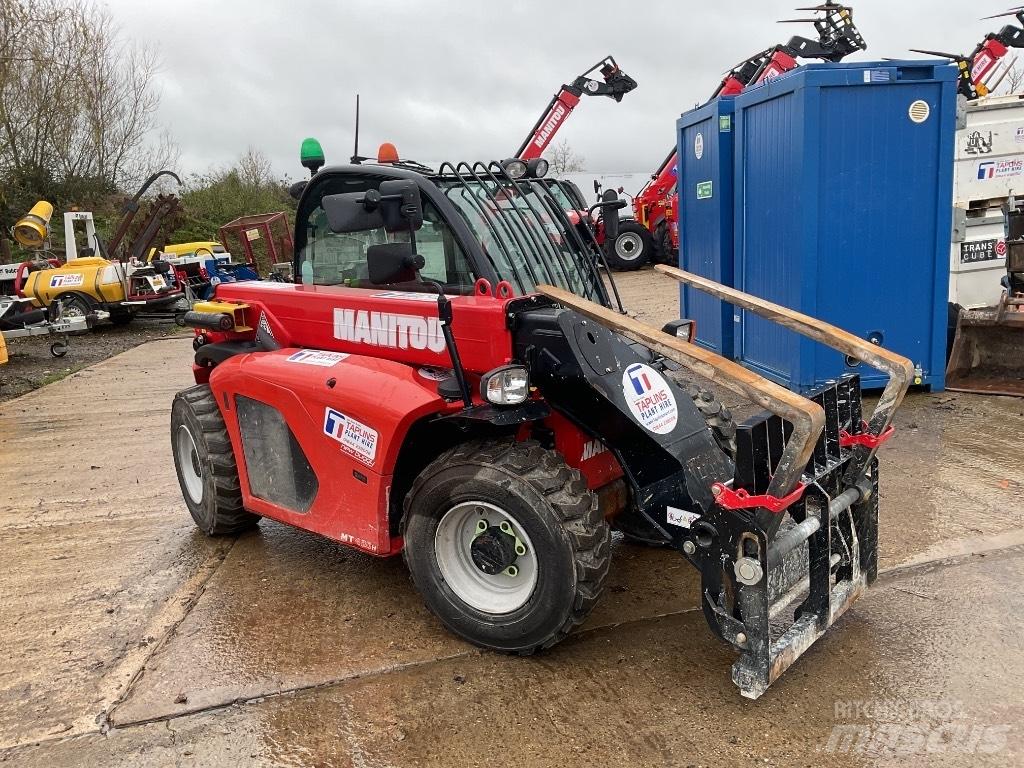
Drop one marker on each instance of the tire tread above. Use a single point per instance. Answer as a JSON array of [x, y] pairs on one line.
[[574, 504]]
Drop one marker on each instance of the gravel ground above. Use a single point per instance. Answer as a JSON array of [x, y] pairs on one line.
[[32, 366]]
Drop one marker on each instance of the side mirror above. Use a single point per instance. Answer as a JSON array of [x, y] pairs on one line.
[[352, 212], [400, 205], [610, 206], [396, 207], [389, 263]]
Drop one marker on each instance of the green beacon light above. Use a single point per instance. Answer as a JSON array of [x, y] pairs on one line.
[[311, 155]]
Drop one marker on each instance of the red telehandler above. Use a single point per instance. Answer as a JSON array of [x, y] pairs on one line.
[[654, 234], [452, 379], [614, 84], [978, 67]]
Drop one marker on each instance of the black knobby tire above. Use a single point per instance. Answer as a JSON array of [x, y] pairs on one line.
[[202, 450], [716, 416], [552, 505], [632, 247], [664, 253]]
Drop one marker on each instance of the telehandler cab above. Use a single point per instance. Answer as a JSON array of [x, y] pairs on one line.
[[451, 379]]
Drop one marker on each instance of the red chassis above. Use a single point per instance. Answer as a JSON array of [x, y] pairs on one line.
[[383, 398]]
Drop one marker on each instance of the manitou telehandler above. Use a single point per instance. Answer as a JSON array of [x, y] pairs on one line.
[[653, 232], [979, 70], [451, 379]]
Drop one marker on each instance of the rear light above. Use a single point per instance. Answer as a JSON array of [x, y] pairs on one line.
[[509, 385]]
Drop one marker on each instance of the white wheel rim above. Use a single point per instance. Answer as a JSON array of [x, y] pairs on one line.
[[494, 594], [188, 463], [628, 246]]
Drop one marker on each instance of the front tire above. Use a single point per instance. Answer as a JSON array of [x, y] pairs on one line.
[[205, 463], [632, 248], [506, 544]]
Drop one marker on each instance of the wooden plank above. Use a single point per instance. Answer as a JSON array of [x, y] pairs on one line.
[[807, 417], [899, 368]]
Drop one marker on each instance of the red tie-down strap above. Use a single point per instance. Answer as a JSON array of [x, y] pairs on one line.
[[739, 499], [866, 439]]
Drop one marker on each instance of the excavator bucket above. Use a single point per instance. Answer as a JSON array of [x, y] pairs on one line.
[[988, 351]]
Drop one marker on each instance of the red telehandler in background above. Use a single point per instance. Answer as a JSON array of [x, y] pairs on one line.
[[614, 84], [654, 234], [978, 68]]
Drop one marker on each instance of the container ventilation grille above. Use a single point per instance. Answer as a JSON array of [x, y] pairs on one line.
[[919, 111]]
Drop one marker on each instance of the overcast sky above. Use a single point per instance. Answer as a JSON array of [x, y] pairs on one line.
[[466, 79]]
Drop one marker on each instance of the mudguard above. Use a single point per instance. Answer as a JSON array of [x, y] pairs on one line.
[[316, 435]]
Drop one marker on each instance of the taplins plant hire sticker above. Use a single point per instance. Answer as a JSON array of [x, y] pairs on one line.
[[649, 399]]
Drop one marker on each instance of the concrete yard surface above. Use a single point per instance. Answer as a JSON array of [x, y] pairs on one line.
[[130, 639]]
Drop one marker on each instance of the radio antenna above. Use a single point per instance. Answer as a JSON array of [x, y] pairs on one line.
[[356, 159]]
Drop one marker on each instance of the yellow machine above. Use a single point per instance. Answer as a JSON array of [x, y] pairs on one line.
[[87, 283], [32, 229], [199, 248], [101, 280], [3, 350]]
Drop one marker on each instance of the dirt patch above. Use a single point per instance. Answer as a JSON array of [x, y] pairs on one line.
[[32, 366]]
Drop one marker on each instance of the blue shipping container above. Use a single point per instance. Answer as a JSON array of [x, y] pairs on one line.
[[705, 153], [843, 199]]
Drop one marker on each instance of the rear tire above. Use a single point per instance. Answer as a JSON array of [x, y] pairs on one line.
[[664, 253], [480, 492], [205, 464], [632, 248]]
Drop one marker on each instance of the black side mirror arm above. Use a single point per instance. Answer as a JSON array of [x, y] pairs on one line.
[[444, 314]]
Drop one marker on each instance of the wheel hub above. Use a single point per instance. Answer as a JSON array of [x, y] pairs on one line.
[[628, 246], [493, 550], [486, 557]]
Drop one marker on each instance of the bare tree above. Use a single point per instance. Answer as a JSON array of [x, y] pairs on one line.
[[563, 160], [38, 63], [254, 169], [1012, 80], [75, 98]]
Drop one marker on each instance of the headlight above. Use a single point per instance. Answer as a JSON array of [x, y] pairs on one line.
[[537, 168], [685, 330], [514, 168], [509, 385]]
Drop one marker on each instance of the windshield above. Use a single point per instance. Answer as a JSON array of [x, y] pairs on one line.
[[525, 234], [565, 197]]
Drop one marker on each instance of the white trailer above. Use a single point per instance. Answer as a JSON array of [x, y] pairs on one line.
[[989, 167]]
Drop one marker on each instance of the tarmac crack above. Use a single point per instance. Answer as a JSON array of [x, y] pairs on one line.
[[209, 569]]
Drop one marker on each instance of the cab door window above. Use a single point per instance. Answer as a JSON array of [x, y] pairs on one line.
[[330, 258]]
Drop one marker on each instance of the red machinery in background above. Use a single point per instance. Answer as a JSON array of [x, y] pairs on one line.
[[265, 239], [978, 68], [654, 236], [614, 84]]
